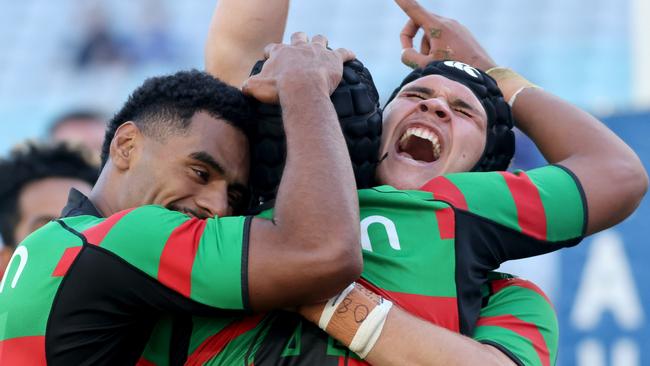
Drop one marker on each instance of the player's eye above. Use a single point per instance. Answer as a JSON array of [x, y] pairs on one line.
[[413, 95], [202, 174], [460, 110]]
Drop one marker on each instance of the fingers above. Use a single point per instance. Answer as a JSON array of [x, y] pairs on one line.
[[319, 39], [262, 89], [345, 54], [299, 38], [270, 48], [414, 59], [415, 11], [408, 33]]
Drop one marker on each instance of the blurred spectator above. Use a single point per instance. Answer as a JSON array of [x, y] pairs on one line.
[[154, 41], [100, 46], [80, 127], [34, 184]]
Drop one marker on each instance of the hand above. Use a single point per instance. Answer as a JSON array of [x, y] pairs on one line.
[[443, 39], [293, 67]]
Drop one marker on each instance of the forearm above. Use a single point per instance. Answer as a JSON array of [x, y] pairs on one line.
[[603, 163], [318, 169], [373, 328], [239, 31], [422, 343]]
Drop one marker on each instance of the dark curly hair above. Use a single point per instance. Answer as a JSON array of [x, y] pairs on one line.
[[166, 104], [31, 162]]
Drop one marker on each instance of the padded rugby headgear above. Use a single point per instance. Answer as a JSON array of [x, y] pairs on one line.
[[356, 101], [500, 139]]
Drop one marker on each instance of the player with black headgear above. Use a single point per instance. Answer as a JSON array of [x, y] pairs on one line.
[[435, 126]]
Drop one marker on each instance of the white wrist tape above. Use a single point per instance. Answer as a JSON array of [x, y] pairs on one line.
[[331, 307], [366, 337], [512, 99]]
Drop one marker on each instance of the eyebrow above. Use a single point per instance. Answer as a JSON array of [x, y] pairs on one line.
[[208, 160], [456, 102]]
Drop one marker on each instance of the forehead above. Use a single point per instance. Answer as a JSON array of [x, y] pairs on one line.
[[48, 196], [450, 88], [223, 141]]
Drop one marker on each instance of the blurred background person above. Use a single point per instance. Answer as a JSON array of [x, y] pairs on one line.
[[84, 127], [35, 180]]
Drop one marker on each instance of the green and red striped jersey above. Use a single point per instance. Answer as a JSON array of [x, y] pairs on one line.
[[431, 252], [516, 318], [122, 273]]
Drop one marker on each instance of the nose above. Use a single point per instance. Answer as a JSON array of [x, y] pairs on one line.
[[215, 201], [436, 106]]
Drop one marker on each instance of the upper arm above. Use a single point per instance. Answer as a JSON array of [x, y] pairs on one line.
[[202, 260], [239, 31], [520, 321], [542, 209], [284, 275]]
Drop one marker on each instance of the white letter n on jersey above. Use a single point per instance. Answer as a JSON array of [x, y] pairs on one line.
[[22, 253], [388, 225]]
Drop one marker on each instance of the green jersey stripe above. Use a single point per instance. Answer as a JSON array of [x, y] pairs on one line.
[[524, 329]]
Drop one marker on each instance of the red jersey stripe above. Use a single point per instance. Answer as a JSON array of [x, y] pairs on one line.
[[177, 258], [530, 210], [446, 223], [144, 362], [23, 351], [66, 260], [498, 285], [96, 234], [443, 189], [214, 344], [524, 329], [346, 361], [442, 311]]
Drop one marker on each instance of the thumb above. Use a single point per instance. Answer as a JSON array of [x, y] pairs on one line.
[[262, 89], [414, 59]]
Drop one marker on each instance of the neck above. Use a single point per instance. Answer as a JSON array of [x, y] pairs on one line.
[[103, 196]]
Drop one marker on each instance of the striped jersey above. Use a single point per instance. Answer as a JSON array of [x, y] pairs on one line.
[[431, 252]]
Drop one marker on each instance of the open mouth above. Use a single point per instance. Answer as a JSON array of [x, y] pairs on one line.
[[420, 144]]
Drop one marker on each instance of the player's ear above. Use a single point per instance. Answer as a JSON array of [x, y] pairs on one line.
[[125, 145]]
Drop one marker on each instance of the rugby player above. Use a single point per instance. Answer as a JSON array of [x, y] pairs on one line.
[[34, 183], [554, 216], [88, 288]]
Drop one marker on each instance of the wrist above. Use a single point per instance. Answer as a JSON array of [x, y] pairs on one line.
[[510, 82], [355, 318], [298, 85]]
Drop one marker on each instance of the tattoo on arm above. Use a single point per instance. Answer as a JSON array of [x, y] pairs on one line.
[[435, 32]]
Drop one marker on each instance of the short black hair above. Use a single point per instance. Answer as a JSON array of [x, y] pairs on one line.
[[31, 162], [81, 114], [167, 103]]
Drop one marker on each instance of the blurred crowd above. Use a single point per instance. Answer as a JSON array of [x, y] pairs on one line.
[[37, 175]]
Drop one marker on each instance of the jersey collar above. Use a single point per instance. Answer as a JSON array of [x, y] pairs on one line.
[[78, 204]]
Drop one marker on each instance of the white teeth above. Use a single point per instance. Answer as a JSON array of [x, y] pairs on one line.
[[422, 133]]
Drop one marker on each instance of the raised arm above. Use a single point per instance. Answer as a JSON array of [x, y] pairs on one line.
[[566, 135], [310, 250], [239, 30]]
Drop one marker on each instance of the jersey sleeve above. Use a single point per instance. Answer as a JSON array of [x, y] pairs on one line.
[[520, 321], [203, 260], [543, 208]]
